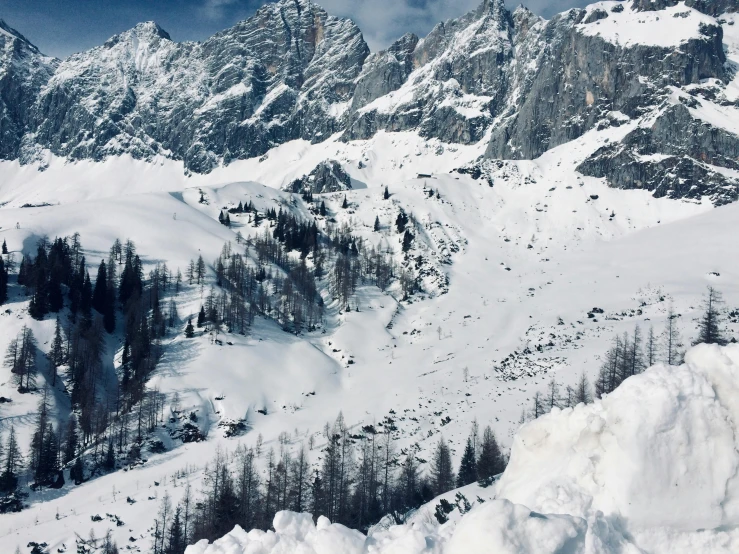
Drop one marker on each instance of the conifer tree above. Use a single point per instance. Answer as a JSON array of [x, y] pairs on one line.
[[672, 339], [71, 441], [710, 326], [407, 240], [582, 391], [322, 210], [442, 474], [468, 466], [553, 398], [56, 353], [12, 463], [189, 331], [377, 223], [345, 203], [3, 282], [386, 194], [100, 293], [652, 348], [490, 462], [109, 462], [5, 247], [201, 317]]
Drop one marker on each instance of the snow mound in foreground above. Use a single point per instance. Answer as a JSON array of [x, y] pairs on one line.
[[652, 468]]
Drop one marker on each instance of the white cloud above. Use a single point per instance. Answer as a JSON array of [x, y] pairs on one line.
[[214, 9], [383, 21]]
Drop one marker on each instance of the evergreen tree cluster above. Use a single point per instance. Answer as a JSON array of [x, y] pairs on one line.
[[624, 359], [4, 275], [482, 459], [11, 468], [555, 398], [57, 263], [360, 479], [285, 286], [45, 462]]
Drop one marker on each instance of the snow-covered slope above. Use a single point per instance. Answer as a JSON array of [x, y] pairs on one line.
[[526, 268], [510, 273], [650, 468]]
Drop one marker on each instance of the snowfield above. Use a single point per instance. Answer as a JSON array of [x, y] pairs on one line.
[[650, 468], [511, 272]]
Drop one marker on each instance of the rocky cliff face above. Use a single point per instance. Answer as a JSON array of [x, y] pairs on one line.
[[292, 71], [23, 71], [287, 72]]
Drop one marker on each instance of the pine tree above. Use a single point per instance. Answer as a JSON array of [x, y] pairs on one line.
[[109, 546], [5, 247], [377, 223], [407, 240], [56, 353], [3, 282], [401, 221], [710, 326], [672, 339], [322, 209], [442, 474], [100, 293], [345, 203], [54, 294], [652, 348], [71, 441], [109, 313], [12, 463], [43, 458], [175, 541], [386, 194], [553, 398], [490, 462], [468, 467], [189, 331], [634, 359], [582, 391], [538, 409], [109, 462], [77, 472], [201, 317]]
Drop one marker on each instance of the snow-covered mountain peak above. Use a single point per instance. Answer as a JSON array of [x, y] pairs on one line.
[[8, 33], [147, 31]]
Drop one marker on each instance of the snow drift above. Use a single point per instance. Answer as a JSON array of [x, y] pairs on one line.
[[650, 468]]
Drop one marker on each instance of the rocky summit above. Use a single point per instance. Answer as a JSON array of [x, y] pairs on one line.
[[521, 83]]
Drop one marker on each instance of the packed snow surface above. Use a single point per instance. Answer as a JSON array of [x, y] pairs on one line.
[[651, 467], [665, 28]]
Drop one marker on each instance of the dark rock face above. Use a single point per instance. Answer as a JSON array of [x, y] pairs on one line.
[[710, 7], [448, 85], [327, 176], [678, 157], [580, 78], [23, 71]]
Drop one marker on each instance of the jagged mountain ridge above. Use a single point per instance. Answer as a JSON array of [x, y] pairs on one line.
[[292, 71]]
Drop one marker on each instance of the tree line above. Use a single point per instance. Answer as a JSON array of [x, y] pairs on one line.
[[360, 479], [112, 409], [631, 354]]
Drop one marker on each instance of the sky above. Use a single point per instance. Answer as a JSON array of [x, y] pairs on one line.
[[61, 27]]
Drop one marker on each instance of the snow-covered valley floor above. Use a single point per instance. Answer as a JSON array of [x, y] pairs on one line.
[[513, 273]]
